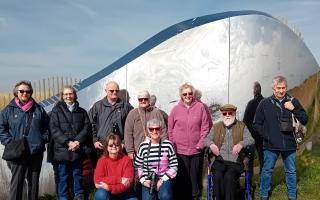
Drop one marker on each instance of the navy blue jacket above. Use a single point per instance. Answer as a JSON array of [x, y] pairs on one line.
[[267, 122], [13, 122]]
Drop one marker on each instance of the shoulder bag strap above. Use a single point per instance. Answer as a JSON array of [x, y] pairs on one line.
[[159, 153], [143, 126], [29, 121]]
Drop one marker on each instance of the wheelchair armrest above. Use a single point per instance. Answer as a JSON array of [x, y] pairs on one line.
[[248, 152]]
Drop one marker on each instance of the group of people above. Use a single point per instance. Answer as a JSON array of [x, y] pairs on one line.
[[143, 153]]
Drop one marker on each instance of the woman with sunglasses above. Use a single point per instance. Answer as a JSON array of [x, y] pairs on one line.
[[113, 176], [24, 119], [156, 164], [188, 125]]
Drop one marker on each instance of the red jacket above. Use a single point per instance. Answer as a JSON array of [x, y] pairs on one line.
[[110, 171], [187, 127]]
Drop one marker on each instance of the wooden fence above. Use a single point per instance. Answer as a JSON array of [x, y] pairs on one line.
[[42, 89]]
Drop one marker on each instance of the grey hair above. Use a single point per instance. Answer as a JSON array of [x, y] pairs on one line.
[[154, 122], [112, 82], [153, 100], [71, 88], [279, 79], [197, 94], [23, 82]]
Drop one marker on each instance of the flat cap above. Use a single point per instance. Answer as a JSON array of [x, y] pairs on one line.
[[227, 107]]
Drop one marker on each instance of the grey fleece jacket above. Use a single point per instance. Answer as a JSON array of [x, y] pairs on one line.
[[103, 116], [227, 144]]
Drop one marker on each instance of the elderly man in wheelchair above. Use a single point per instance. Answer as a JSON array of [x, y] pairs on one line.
[[227, 141]]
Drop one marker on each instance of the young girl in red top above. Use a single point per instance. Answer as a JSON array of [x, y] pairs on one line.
[[113, 176]]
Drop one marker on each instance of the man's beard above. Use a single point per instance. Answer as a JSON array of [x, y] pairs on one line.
[[228, 121]]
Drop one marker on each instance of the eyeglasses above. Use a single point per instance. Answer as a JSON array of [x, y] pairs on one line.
[[112, 91], [227, 113], [143, 99], [154, 129], [25, 91], [113, 145], [187, 93]]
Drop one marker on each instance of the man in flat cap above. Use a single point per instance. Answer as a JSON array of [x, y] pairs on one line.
[[226, 140]]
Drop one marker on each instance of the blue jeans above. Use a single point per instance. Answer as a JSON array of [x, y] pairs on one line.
[[165, 192], [102, 194], [66, 169], [289, 160]]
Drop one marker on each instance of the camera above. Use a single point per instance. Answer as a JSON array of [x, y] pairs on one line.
[[115, 129], [299, 137], [153, 184]]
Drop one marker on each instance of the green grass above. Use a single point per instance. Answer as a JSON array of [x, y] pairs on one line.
[[308, 174], [308, 168]]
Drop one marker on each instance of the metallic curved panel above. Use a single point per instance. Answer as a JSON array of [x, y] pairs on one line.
[[222, 58], [221, 54], [260, 48]]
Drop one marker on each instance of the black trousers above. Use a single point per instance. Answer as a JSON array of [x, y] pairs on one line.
[[252, 150], [28, 169], [225, 179], [188, 181]]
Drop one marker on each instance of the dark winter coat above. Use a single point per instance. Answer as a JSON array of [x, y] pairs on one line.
[[249, 116], [267, 121], [66, 126], [107, 118], [13, 122]]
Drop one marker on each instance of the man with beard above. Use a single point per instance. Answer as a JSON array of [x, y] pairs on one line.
[[226, 140]]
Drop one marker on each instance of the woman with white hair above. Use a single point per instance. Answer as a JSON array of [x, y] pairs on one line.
[[188, 125], [156, 164]]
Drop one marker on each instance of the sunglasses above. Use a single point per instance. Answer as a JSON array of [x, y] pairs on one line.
[[187, 93], [25, 91], [113, 145], [143, 99], [154, 129], [112, 91], [227, 113]]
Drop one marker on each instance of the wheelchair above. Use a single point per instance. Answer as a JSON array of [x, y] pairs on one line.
[[243, 182]]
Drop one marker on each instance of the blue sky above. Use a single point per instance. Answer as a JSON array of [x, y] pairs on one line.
[[77, 38]]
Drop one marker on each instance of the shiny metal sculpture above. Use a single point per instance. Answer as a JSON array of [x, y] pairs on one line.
[[221, 55]]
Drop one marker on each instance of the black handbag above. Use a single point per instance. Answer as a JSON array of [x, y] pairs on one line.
[[16, 150]]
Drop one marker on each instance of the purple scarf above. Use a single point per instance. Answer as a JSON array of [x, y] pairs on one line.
[[24, 107]]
